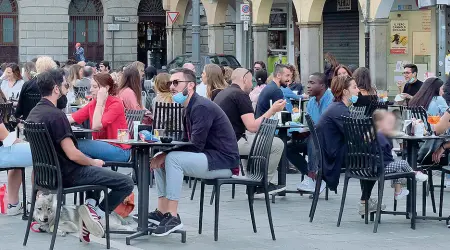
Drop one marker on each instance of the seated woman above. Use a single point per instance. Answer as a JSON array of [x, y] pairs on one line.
[[342, 70], [261, 80], [367, 93], [106, 114], [428, 97], [16, 155], [12, 82], [212, 76], [331, 125]]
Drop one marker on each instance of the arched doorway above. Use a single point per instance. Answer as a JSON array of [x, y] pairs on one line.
[[152, 42], [9, 49], [86, 27]]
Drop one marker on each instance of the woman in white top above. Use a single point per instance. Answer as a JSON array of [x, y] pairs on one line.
[[12, 81]]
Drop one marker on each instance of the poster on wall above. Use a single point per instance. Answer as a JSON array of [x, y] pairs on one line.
[[344, 5], [422, 43], [399, 37]]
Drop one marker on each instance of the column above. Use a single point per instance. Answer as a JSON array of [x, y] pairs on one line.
[[241, 48], [174, 42], [309, 49], [260, 43], [378, 29], [215, 38]]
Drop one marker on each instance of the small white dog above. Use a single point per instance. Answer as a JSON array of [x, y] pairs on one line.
[[44, 215]]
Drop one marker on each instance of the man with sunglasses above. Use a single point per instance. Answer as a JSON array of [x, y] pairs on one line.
[[213, 154], [236, 103], [412, 85]]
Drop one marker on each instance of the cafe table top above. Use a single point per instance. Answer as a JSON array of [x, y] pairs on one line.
[[144, 143], [423, 137], [82, 130]]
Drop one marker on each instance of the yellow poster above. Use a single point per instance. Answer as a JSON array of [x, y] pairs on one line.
[[399, 37]]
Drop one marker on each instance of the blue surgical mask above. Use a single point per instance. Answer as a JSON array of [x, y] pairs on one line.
[[180, 97], [412, 80], [353, 99]]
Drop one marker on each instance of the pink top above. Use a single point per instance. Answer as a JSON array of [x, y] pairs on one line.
[[254, 95], [129, 99]]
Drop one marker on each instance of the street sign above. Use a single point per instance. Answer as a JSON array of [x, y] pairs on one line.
[[245, 25], [121, 19], [245, 12], [173, 15], [113, 27]]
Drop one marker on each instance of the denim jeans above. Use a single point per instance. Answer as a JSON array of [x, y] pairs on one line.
[[121, 185], [16, 155], [177, 164], [103, 150]]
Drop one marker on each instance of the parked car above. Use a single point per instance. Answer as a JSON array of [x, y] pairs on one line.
[[219, 59]]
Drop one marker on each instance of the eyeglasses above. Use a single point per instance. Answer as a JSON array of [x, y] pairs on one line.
[[175, 82], [407, 73]]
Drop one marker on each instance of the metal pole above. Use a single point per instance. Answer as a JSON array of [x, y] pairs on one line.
[[196, 34], [367, 35], [112, 61], [250, 32], [441, 26]]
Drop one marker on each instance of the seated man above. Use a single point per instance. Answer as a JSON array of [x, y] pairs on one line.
[[235, 101], [320, 98], [213, 154], [77, 169], [16, 155]]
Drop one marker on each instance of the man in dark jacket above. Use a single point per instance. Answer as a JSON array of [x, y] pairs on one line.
[[213, 153]]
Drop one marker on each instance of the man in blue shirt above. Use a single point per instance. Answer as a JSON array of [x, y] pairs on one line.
[[320, 98], [79, 53], [272, 92]]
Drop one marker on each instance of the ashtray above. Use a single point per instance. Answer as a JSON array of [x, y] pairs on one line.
[[166, 139]]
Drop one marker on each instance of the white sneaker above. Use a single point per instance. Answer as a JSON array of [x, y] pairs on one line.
[[403, 193], [307, 185], [421, 177], [15, 210]]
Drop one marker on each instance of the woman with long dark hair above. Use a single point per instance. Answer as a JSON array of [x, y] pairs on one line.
[[106, 115], [12, 82], [130, 90], [342, 70], [367, 93], [330, 65], [428, 97]]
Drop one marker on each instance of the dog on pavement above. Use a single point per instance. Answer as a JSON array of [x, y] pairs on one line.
[[45, 210]]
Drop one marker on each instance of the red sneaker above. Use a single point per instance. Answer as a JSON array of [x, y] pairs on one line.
[[84, 233], [91, 220]]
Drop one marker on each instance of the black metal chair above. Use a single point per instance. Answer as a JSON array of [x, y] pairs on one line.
[[318, 156], [9, 120], [48, 177], [358, 112], [80, 92], [256, 176], [374, 105], [169, 116], [420, 113], [364, 161]]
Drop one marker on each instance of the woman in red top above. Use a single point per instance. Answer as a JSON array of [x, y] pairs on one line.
[[106, 114]]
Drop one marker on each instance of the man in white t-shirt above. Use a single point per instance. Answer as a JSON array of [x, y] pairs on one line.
[[201, 88]]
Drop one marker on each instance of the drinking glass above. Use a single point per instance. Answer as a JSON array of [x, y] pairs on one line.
[[123, 135], [159, 133]]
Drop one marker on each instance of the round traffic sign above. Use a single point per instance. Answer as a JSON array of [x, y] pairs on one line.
[[245, 8]]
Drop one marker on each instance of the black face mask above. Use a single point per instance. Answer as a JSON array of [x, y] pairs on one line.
[[62, 102], [327, 66]]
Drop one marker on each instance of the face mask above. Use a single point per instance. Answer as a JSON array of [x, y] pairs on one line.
[[353, 99], [412, 80], [62, 102], [181, 97]]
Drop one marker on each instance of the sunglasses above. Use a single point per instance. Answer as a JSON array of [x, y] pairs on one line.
[[175, 82]]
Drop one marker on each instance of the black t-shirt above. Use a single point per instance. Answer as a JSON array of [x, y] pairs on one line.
[[412, 88], [235, 103], [59, 128], [270, 92]]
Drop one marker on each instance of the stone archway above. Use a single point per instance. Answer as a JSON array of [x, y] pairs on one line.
[[86, 27], [9, 42]]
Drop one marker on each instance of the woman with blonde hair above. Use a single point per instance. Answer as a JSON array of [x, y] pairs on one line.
[[162, 88], [212, 76], [75, 73], [27, 98]]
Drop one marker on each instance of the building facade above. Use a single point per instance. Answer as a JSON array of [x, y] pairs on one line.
[[294, 31]]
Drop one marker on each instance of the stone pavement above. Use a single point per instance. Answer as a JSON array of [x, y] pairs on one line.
[[292, 227]]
